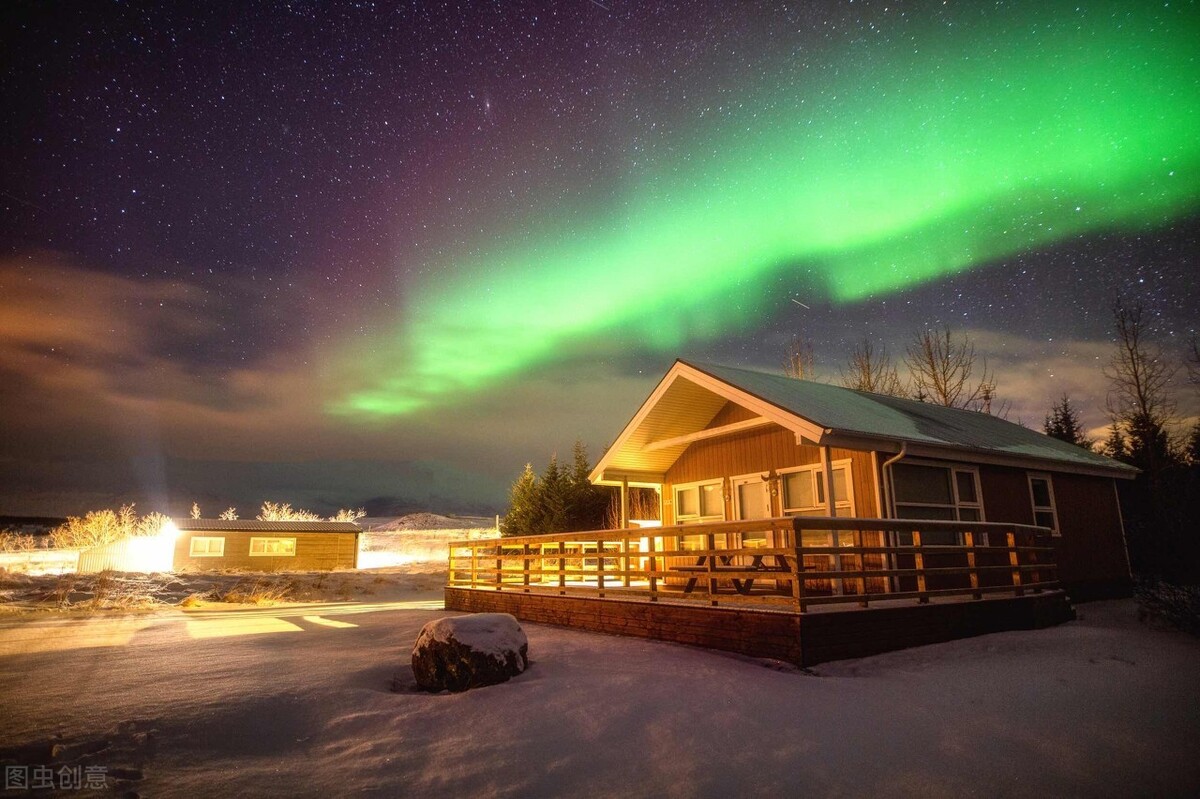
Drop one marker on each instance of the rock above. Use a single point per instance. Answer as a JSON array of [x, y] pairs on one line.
[[457, 653]]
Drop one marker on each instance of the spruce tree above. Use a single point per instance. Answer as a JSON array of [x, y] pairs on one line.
[[553, 499], [522, 513], [1114, 446], [586, 503], [1064, 424]]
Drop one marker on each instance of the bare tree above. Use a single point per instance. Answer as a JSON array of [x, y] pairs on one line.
[[872, 371], [942, 364], [229, 514], [284, 512], [1138, 373], [800, 362], [348, 515]]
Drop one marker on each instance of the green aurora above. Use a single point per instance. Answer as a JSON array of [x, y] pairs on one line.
[[919, 159]]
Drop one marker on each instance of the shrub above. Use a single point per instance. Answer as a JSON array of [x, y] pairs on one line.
[[106, 526], [284, 512], [17, 542]]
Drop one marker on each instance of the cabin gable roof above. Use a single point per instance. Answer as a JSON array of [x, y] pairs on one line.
[[691, 394]]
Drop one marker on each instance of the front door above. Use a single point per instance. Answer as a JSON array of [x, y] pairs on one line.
[[752, 500]]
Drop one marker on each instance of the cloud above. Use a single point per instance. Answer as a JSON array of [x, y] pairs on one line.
[[109, 387]]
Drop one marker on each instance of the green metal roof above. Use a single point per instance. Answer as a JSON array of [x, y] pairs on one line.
[[861, 413]]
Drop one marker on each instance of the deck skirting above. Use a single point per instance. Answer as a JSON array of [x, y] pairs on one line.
[[804, 639]]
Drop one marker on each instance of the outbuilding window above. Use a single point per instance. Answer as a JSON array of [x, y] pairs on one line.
[[207, 547], [1041, 493], [274, 547]]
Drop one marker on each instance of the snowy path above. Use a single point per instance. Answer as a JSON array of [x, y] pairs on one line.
[[295, 701]]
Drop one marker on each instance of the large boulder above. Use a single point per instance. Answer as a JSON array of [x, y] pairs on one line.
[[461, 652]]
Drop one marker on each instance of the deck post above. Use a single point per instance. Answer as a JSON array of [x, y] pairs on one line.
[[499, 566], [712, 577], [562, 567], [600, 567], [624, 502], [525, 564], [798, 580], [969, 541], [862, 567], [919, 559], [625, 546], [1015, 562], [831, 512], [474, 564], [653, 572]]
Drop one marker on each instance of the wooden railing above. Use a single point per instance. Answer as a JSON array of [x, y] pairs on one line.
[[790, 562]]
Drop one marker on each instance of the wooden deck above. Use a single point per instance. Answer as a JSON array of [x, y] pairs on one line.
[[802, 589]]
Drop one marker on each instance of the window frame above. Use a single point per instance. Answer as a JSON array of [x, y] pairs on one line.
[[958, 504], [207, 539], [1052, 508], [818, 471], [749, 479], [698, 517], [265, 554]]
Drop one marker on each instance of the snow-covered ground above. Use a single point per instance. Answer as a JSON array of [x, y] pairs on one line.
[[299, 701]]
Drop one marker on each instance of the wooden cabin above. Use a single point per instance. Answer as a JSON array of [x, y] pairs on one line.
[[251, 545], [726, 444]]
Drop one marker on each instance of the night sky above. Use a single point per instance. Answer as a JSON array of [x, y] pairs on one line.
[[368, 253]]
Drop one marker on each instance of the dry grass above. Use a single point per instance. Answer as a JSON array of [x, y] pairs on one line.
[[17, 542], [262, 591]]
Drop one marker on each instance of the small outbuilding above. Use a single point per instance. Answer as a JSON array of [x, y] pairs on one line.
[[265, 546]]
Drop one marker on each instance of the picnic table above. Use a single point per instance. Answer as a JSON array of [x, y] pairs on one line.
[[722, 566]]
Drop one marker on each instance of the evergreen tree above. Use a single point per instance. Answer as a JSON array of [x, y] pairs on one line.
[[586, 503], [553, 499], [1192, 452], [1149, 447], [1064, 424], [561, 500], [1114, 446], [522, 513]]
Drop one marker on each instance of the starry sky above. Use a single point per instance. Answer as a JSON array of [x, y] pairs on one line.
[[384, 254]]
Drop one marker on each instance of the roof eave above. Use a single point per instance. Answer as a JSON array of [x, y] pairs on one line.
[[858, 440]]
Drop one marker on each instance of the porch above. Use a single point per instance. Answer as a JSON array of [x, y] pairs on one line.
[[803, 589]]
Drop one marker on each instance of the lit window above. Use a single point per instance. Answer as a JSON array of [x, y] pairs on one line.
[[275, 547], [804, 491], [1041, 492], [204, 547], [696, 502]]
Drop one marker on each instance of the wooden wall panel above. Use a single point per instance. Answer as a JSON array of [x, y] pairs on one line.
[[805, 639], [761, 451], [1005, 494], [732, 412], [314, 552], [1092, 558]]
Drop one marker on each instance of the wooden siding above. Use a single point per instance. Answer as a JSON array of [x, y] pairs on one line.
[[732, 412], [748, 632], [761, 450], [314, 552], [801, 639], [1092, 559]]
